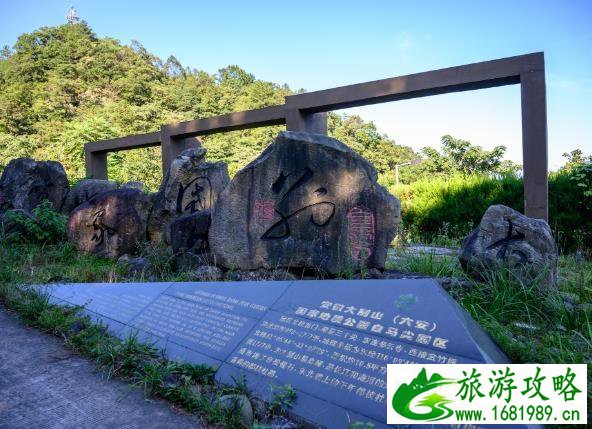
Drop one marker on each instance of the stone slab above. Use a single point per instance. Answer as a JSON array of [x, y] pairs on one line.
[[117, 301], [331, 340]]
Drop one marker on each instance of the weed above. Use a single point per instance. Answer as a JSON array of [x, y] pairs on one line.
[[42, 225], [283, 399], [427, 263]]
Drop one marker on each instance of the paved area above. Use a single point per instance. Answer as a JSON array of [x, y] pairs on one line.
[[44, 385]]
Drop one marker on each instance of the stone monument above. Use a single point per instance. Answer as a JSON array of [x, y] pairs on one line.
[[308, 201]]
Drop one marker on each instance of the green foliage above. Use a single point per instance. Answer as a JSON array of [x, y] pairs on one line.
[[459, 202], [576, 158], [282, 400], [426, 263], [364, 138], [460, 156], [62, 86], [44, 225], [582, 176]]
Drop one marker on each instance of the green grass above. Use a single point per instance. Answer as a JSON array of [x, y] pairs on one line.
[[528, 325], [424, 263], [443, 210]]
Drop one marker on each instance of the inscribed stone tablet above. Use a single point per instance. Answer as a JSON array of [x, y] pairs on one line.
[[250, 299], [118, 301], [332, 340], [417, 312], [210, 318]]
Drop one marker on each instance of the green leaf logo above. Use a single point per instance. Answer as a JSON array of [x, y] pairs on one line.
[[436, 403]]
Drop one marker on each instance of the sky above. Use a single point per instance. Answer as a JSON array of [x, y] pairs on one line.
[[322, 44]]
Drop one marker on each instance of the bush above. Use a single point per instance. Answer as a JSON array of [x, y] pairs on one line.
[[43, 225], [456, 204]]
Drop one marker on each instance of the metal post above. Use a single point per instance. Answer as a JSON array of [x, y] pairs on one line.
[[297, 120], [96, 164], [534, 141]]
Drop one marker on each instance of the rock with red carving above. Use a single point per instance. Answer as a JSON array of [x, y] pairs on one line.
[[308, 201]]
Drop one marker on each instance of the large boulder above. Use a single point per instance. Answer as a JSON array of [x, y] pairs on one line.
[[308, 201], [111, 223], [191, 185], [26, 182], [84, 191], [506, 239]]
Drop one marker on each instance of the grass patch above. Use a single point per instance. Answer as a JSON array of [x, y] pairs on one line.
[[427, 263], [530, 327]]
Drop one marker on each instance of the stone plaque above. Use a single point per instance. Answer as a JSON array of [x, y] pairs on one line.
[[211, 318], [117, 301], [331, 340]]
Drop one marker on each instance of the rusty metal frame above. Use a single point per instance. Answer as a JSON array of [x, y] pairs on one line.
[[307, 112]]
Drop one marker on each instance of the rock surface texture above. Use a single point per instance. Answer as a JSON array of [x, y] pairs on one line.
[[25, 183], [111, 223], [506, 238], [189, 239], [308, 201], [190, 186], [84, 191]]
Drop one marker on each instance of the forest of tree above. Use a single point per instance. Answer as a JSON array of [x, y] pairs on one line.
[[61, 87]]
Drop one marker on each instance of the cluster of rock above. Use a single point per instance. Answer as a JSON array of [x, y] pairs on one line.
[[307, 202]]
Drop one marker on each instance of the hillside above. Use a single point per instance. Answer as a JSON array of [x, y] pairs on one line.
[[63, 86]]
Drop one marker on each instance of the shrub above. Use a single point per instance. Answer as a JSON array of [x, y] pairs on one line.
[[43, 225], [456, 204]]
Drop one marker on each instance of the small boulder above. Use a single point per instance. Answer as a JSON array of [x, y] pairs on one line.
[[135, 266], [190, 232], [111, 223], [241, 404], [191, 185], [25, 183], [207, 273], [308, 201], [84, 191], [507, 239]]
